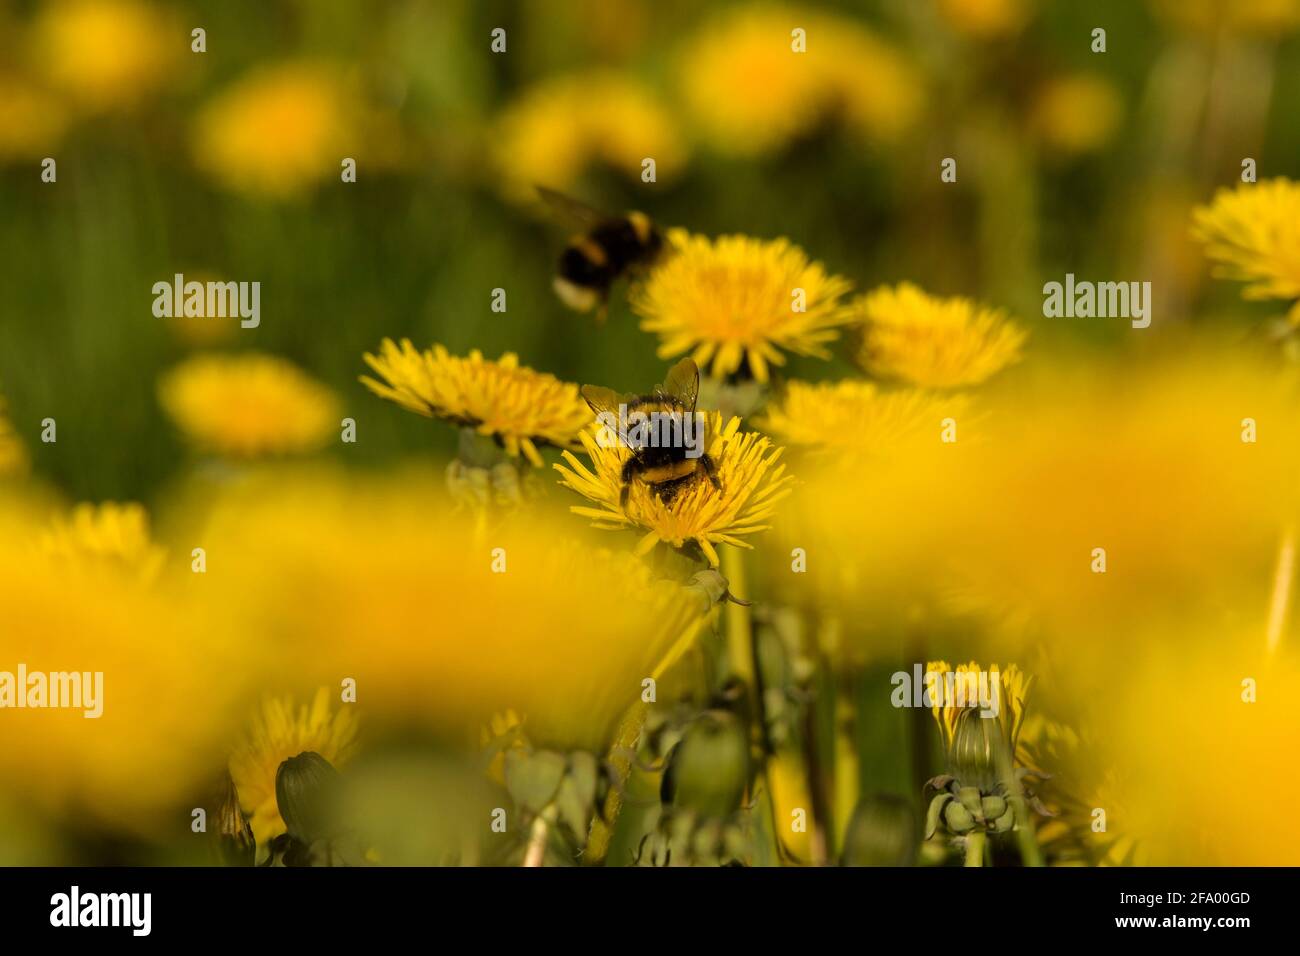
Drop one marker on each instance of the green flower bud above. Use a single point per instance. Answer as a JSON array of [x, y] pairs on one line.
[[709, 769], [994, 807], [958, 818], [305, 788], [972, 758]]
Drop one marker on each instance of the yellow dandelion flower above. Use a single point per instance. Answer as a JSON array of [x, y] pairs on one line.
[[910, 336], [108, 535], [730, 303], [278, 731], [970, 687], [107, 54], [519, 407], [277, 132], [32, 122], [751, 482], [13, 456], [855, 417], [985, 19], [1253, 233], [750, 92], [559, 129], [248, 405], [1077, 114], [159, 681]]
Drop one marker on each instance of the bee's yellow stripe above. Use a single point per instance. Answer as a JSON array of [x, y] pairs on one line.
[[640, 225], [591, 250]]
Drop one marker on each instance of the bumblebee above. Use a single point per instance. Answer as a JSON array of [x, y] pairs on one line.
[[609, 248], [667, 438]]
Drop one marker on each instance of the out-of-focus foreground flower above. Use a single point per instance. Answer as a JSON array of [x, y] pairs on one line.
[[1005, 521], [113, 536], [393, 589], [170, 686]]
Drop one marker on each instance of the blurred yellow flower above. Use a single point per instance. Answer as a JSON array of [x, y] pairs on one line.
[[1077, 114], [1073, 788], [279, 131], [392, 587], [1073, 508], [1260, 17], [749, 92], [986, 18], [555, 131], [1204, 728], [734, 303], [13, 456], [519, 407], [1253, 233], [280, 730], [107, 54], [166, 697], [32, 121], [751, 480], [913, 337], [108, 535], [248, 404], [856, 418]]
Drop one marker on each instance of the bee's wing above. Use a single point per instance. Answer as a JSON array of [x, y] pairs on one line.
[[683, 383], [572, 211], [606, 401], [602, 399]]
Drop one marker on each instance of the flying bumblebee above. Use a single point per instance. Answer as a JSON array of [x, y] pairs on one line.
[[609, 248], [667, 438]]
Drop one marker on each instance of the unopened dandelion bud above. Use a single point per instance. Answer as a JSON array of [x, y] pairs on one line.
[[709, 769], [972, 758], [304, 792], [993, 807]]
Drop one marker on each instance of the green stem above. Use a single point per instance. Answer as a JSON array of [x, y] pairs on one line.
[[742, 662], [975, 841]]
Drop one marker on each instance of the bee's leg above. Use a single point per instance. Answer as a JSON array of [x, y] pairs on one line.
[[623, 495], [711, 470]]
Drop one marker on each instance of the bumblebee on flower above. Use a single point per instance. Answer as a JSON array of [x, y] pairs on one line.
[[725, 492]]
